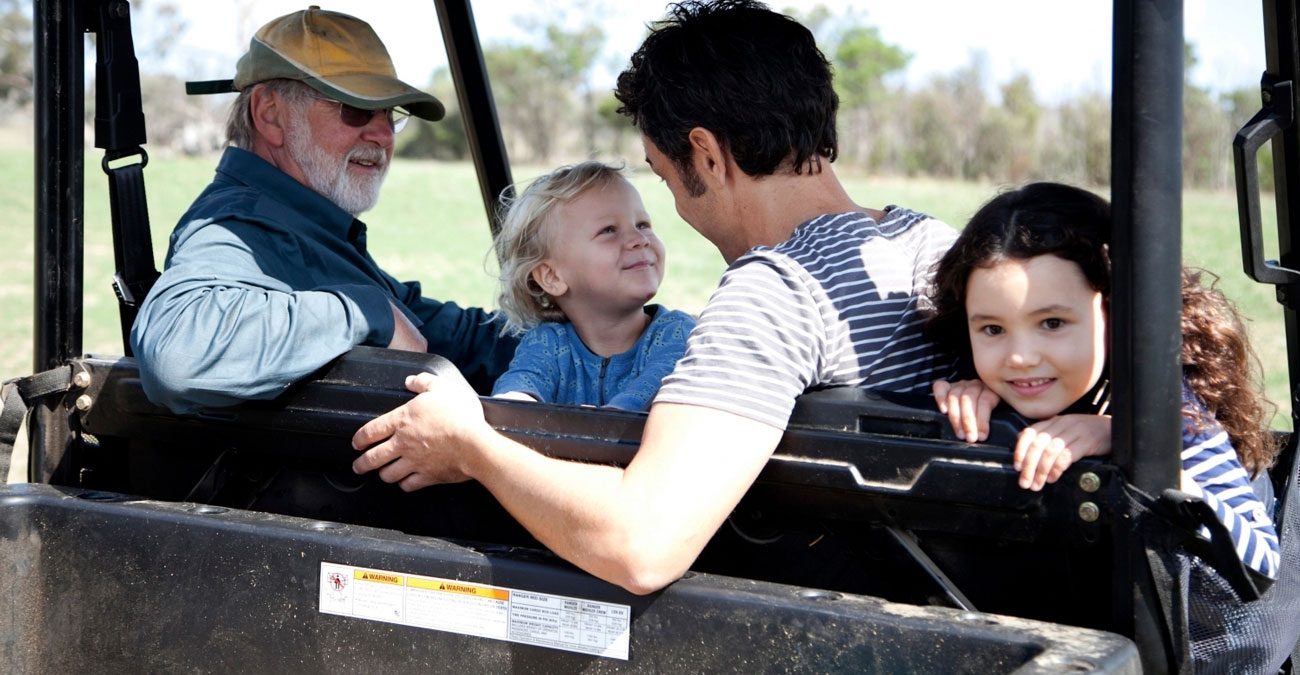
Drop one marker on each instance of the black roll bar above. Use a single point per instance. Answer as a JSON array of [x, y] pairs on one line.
[[474, 93], [1146, 196], [1146, 193], [60, 111]]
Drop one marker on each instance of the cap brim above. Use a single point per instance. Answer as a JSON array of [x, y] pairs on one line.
[[371, 92]]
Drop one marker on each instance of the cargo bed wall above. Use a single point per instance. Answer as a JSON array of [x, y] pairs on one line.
[[102, 583], [854, 478]]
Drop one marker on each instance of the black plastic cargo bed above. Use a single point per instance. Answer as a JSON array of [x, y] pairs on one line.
[[248, 530], [99, 582]]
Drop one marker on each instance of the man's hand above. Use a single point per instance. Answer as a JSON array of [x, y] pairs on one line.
[[405, 335], [425, 441], [968, 404], [1046, 449], [515, 396]]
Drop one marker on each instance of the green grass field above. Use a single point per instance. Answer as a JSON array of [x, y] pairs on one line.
[[430, 225]]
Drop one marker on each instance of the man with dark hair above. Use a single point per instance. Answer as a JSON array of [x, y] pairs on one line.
[[267, 276], [791, 126], [737, 114]]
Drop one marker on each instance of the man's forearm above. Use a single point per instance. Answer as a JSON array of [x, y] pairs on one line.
[[582, 512], [640, 527]]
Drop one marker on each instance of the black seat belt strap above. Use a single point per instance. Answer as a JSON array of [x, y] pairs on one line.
[[134, 268], [120, 131], [17, 395]]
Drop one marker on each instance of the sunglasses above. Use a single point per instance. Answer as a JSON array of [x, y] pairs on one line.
[[360, 117]]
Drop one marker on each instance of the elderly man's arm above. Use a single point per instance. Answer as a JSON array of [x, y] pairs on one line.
[[639, 527], [216, 331]]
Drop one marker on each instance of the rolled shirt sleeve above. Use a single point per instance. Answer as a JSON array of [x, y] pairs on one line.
[[266, 281], [216, 331]]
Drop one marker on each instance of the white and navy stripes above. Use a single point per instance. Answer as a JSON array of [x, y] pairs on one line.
[[1210, 461], [836, 304]]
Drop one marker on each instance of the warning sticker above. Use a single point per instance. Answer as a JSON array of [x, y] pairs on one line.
[[526, 617]]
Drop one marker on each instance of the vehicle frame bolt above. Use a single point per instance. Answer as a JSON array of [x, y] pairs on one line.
[[1088, 512], [1089, 482], [81, 379], [84, 402]]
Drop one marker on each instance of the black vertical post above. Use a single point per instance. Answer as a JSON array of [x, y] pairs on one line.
[[60, 112], [1146, 192], [474, 94], [59, 108]]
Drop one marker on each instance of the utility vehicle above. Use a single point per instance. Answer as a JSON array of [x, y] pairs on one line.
[[874, 541]]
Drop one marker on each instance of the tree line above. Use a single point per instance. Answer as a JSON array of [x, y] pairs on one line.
[[950, 127]]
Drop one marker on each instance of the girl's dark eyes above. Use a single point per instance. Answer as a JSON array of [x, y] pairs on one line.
[[643, 225], [1053, 323], [991, 330]]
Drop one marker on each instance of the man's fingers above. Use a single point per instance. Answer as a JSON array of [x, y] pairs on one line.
[[375, 438], [396, 471], [373, 458], [376, 430], [415, 481], [420, 382]]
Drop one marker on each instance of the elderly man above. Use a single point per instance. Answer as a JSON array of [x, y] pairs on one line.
[[267, 276], [737, 114]]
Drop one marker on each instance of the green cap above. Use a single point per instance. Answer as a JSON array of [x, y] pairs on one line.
[[338, 55]]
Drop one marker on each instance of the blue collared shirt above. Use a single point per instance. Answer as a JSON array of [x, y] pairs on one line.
[[554, 366], [266, 281]]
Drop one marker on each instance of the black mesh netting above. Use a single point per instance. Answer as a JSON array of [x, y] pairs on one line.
[[1229, 636]]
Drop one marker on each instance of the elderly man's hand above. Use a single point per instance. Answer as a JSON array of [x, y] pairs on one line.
[[427, 440]]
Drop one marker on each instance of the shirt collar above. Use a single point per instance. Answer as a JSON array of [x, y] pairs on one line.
[[247, 168]]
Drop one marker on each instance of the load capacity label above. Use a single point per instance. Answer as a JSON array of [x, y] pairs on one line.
[[526, 617]]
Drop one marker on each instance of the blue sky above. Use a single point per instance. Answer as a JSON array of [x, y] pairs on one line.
[[1064, 46]]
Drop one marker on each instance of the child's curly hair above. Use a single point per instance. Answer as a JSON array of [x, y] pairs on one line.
[[1222, 368], [523, 241]]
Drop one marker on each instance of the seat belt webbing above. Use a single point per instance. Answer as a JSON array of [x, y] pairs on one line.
[[120, 131]]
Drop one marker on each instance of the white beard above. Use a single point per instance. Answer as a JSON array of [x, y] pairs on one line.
[[329, 175]]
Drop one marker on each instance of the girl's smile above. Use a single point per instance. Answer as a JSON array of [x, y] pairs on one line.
[[1031, 387]]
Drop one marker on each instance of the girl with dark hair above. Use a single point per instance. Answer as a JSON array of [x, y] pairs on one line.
[[1022, 296]]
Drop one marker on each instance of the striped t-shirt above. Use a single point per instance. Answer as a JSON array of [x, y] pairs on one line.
[[1216, 474], [836, 304]]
